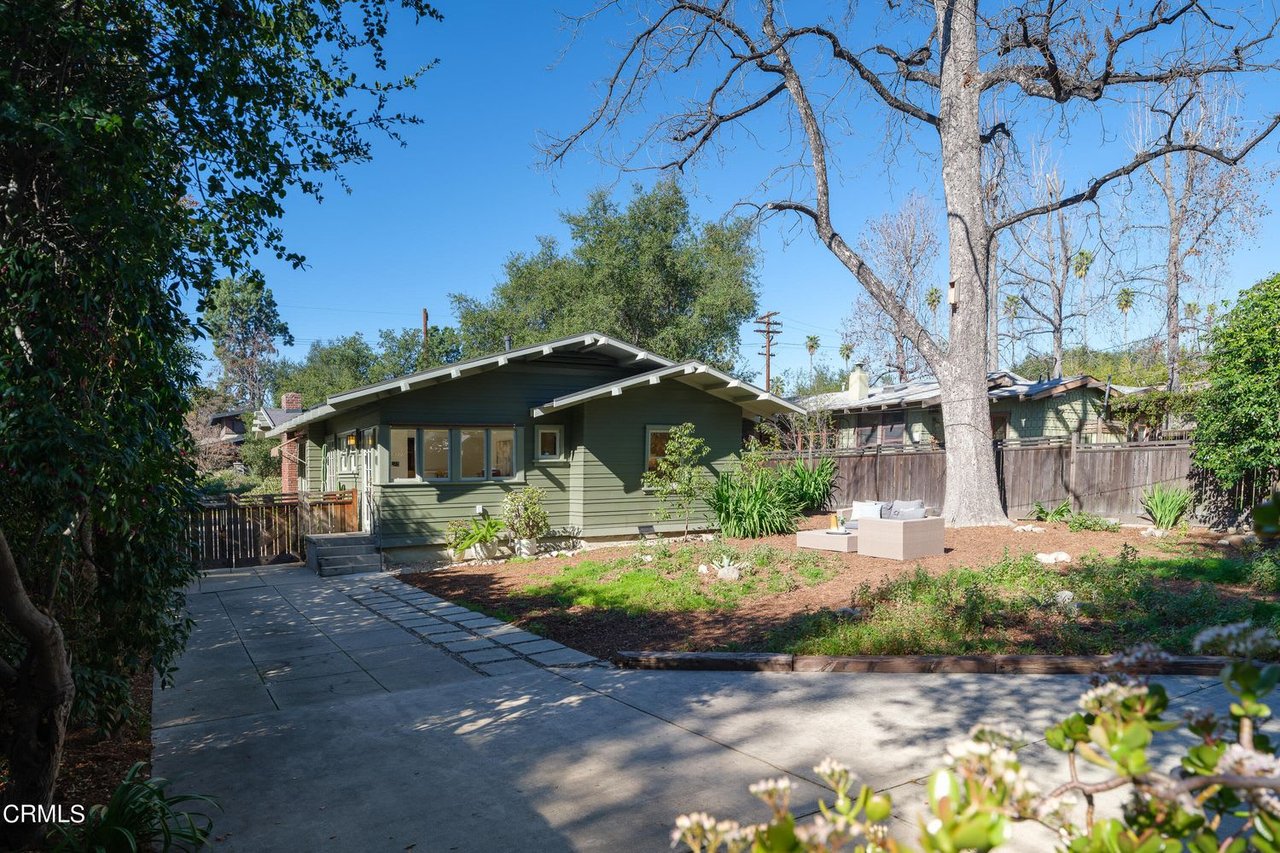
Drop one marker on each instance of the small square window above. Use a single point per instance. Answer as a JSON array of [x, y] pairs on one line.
[[549, 443], [655, 442]]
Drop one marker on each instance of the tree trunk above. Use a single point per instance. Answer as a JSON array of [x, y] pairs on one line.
[[900, 357], [1173, 279], [972, 494], [42, 691]]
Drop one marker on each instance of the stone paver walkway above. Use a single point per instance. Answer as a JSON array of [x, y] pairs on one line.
[[357, 713]]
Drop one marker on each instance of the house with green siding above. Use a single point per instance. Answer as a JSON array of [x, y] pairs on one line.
[[582, 418], [908, 415]]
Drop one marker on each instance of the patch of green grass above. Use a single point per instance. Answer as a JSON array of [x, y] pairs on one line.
[[1012, 607]]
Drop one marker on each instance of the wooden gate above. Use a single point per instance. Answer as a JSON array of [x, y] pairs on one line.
[[256, 530]]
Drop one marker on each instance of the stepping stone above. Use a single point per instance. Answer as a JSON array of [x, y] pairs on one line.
[[488, 655], [468, 645], [537, 647], [507, 667], [564, 656], [508, 637]]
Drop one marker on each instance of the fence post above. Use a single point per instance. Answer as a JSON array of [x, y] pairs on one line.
[[1071, 472]]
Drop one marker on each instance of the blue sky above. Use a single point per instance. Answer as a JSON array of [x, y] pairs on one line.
[[442, 214]]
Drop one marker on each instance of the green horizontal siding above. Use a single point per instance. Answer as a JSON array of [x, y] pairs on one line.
[[418, 513], [613, 460]]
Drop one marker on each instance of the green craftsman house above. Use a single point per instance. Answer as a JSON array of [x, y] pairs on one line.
[[908, 415], [582, 418]]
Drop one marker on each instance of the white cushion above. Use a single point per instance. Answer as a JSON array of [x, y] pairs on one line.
[[865, 509]]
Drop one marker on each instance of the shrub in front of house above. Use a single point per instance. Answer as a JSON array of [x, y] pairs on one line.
[[754, 500]]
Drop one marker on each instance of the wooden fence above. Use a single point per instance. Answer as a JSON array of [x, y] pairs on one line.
[[256, 530], [1107, 479]]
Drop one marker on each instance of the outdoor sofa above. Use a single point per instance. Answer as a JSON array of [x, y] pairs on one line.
[[901, 530]]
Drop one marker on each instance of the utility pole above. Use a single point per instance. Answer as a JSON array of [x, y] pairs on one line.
[[426, 346], [769, 327]]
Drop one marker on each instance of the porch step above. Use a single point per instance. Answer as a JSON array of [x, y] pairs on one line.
[[342, 554]]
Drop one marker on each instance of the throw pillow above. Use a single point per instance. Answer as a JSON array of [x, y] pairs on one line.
[[908, 504], [865, 509], [907, 514]]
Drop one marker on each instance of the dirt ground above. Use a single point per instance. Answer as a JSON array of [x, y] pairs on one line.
[[496, 588]]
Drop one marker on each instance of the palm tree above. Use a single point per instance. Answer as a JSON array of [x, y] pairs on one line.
[[846, 353], [1012, 303], [811, 343], [934, 299], [1080, 265], [1124, 301]]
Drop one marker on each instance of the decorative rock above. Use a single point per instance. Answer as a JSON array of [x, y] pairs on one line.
[[1061, 557], [1155, 532], [702, 569], [648, 558], [729, 573], [848, 612], [1028, 528], [1064, 598]]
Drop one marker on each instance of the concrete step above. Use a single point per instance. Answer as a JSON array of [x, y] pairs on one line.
[[323, 539], [342, 550], [373, 561], [328, 570]]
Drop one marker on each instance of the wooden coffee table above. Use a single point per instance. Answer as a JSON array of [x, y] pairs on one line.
[[823, 540]]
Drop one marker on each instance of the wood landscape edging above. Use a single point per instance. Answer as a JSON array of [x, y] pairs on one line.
[[994, 664]]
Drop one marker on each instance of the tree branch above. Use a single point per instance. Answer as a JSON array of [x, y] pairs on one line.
[[1090, 192]]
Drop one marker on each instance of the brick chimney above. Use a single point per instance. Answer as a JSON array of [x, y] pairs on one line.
[[290, 444]]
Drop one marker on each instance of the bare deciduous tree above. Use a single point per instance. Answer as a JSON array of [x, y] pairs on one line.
[[1202, 205], [904, 245], [946, 73], [1043, 265]]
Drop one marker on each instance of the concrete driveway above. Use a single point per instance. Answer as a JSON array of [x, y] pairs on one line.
[[361, 714]]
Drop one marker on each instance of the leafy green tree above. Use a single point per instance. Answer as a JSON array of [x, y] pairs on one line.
[[679, 479], [244, 323], [255, 453], [145, 148], [650, 275], [401, 352], [341, 364], [1238, 419]]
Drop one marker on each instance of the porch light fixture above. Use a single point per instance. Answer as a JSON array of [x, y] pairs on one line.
[[351, 441]]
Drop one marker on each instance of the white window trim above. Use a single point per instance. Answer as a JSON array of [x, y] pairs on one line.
[[346, 455], [649, 430], [454, 456], [558, 431]]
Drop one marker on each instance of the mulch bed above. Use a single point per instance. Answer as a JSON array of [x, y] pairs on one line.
[[497, 588], [92, 766]]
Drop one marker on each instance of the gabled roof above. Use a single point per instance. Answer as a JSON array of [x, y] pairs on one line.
[[1001, 385], [586, 342], [695, 374]]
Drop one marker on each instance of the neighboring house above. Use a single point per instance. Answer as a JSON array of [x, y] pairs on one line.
[[909, 415], [229, 426], [582, 418]]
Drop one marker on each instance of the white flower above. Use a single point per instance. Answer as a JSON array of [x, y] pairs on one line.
[[1109, 696], [771, 786], [1239, 639]]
